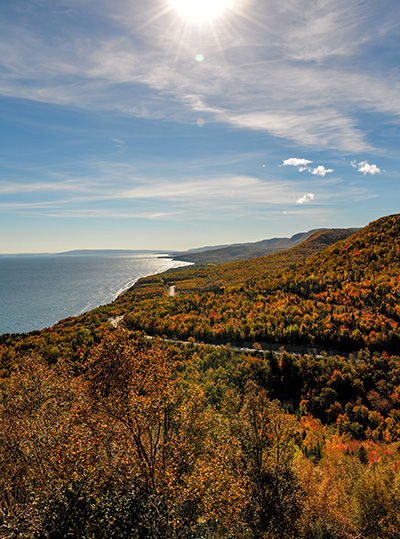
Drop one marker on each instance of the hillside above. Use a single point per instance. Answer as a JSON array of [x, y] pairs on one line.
[[244, 251], [210, 276], [344, 297], [105, 431]]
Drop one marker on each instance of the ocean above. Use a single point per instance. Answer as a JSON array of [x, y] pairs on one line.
[[36, 291]]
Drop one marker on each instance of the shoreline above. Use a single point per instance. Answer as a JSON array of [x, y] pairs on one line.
[[22, 307]]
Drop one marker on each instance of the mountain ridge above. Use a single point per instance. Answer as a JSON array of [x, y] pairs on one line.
[[245, 251], [208, 276]]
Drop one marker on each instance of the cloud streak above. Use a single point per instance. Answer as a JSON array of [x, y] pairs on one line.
[[193, 197], [274, 88], [13, 188]]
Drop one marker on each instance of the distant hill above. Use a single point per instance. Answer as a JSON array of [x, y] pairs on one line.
[[107, 252], [363, 270], [244, 251], [208, 276]]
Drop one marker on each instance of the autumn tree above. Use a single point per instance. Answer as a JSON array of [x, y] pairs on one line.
[[264, 434]]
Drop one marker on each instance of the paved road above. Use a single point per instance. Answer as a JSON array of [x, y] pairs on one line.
[[277, 348]]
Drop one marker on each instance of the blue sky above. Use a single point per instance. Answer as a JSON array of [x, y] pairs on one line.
[[132, 124]]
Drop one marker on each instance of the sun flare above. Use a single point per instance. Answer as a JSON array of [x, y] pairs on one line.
[[201, 10]]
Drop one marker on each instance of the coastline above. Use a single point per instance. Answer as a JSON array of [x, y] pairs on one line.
[[37, 292]]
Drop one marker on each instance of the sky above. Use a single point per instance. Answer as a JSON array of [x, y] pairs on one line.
[[174, 124]]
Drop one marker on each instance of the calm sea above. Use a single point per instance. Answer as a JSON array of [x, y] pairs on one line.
[[38, 291]]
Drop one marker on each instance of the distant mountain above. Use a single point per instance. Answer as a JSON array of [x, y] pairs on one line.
[[106, 252], [210, 248], [244, 251]]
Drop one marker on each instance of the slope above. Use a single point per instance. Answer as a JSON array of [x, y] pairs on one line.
[[210, 276], [346, 297]]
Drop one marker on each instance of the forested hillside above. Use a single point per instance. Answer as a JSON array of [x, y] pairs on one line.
[[210, 276], [345, 297], [106, 432]]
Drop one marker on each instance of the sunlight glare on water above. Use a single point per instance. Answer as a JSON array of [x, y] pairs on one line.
[[37, 291]]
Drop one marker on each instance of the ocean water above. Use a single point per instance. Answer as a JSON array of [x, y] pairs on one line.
[[37, 291]]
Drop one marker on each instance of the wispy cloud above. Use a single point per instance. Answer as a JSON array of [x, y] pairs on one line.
[[12, 188], [102, 102], [230, 190], [317, 128], [103, 213], [295, 86], [202, 191], [134, 195]]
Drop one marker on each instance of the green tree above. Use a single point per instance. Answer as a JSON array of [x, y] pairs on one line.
[[265, 436]]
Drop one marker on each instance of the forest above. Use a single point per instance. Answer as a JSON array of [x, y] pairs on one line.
[[195, 418]]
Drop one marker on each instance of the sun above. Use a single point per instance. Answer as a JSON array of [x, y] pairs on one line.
[[201, 10]]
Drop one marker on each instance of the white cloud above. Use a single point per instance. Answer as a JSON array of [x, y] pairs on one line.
[[156, 76], [366, 168], [307, 197], [320, 170], [296, 162], [120, 188], [313, 31]]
